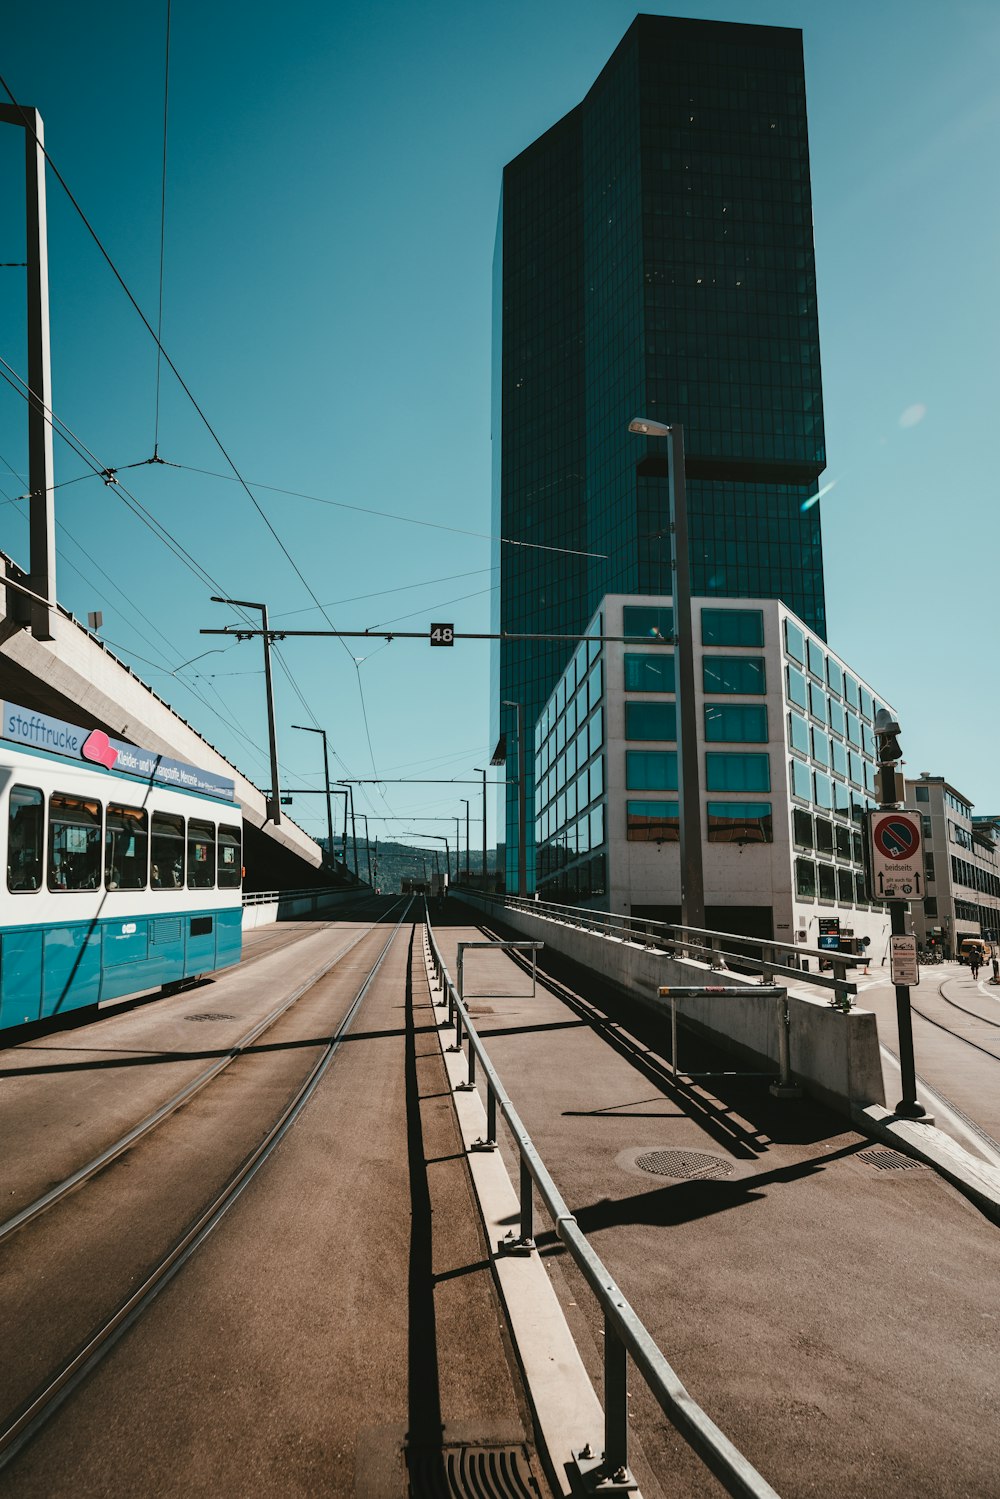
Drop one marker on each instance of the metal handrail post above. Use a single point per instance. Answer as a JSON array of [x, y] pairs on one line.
[[527, 1206], [717, 962], [673, 1034], [615, 1405]]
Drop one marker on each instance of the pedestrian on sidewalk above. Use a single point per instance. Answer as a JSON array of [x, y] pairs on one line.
[[996, 967], [974, 961]]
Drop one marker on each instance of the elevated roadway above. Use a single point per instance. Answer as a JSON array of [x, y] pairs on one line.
[[74, 676]]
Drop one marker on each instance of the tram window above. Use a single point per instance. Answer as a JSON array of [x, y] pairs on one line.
[[126, 848], [74, 843], [229, 858], [167, 852], [201, 855], [25, 838]]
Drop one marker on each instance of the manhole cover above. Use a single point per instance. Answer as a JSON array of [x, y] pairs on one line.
[[210, 1015], [467, 1472], [889, 1160], [684, 1165]]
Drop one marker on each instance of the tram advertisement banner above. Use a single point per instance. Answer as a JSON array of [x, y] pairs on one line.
[[39, 731]]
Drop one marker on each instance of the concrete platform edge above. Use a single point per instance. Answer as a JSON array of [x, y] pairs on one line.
[[567, 1411], [974, 1178]]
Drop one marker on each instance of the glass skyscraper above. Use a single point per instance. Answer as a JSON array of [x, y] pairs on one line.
[[654, 257]]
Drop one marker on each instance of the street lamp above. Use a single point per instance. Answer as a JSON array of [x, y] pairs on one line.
[[273, 802], [354, 835], [307, 729], [522, 858], [480, 771], [368, 847], [465, 799], [688, 788]]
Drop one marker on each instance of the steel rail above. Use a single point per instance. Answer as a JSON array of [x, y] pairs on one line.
[[624, 1331], [19, 1429], [145, 1126]]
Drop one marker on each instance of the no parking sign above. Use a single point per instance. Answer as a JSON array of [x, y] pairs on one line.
[[896, 851]]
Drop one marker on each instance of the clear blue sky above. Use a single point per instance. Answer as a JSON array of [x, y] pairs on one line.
[[332, 189]]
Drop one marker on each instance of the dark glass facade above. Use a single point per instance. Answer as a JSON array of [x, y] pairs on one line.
[[654, 257]]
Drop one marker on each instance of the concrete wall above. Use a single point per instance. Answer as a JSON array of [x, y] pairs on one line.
[[834, 1056], [297, 907]]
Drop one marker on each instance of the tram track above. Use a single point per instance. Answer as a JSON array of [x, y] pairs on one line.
[[136, 1275], [131, 1137]]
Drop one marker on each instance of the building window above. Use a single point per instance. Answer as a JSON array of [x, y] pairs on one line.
[[824, 836], [798, 733], [923, 794], [653, 822], [843, 839], [834, 676], [861, 892], [597, 826], [930, 905], [732, 627], [740, 822], [801, 781], [817, 702], [929, 867], [820, 747], [805, 878], [925, 824], [857, 770], [850, 690], [650, 721], [736, 723], [744, 674], [802, 828], [737, 772], [649, 672], [839, 757], [845, 886], [827, 882], [853, 730], [823, 790], [796, 687], [795, 642], [841, 799], [651, 770], [867, 705], [837, 720], [817, 661], [648, 624]]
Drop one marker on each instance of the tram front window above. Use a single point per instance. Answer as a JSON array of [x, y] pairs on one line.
[[167, 852]]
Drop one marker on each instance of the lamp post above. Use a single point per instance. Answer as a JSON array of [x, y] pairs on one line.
[[522, 857], [307, 729], [368, 847], [482, 772], [354, 834], [688, 787], [273, 802], [465, 799], [458, 847]]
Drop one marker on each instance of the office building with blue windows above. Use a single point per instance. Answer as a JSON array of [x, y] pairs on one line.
[[654, 257], [786, 762]]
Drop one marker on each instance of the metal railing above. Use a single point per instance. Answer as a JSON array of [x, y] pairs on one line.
[[624, 1334], [676, 939], [266, 897]]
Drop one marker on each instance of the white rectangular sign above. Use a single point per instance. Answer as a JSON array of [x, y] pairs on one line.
[[897, 858], [903, 960]]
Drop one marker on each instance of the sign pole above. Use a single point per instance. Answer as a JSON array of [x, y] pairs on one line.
[[897, 840]]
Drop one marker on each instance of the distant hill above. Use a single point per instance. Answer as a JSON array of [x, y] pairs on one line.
[[398, 859]]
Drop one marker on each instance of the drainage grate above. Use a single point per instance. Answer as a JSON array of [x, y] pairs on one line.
[[889, 1160], [464, 1472], [210, 1015], [684, 1165]]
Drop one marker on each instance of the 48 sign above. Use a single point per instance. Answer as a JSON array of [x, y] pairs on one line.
[[442, 634]]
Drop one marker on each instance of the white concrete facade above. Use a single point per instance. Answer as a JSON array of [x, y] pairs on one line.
[[961, 867], [781, 800]]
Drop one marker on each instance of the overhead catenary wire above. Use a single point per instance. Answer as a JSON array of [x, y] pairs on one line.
[[163, 226]]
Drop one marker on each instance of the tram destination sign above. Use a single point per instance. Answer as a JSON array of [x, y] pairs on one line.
[[895, 850]]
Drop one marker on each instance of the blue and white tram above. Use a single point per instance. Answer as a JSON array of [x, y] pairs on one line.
[[117, 880]]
